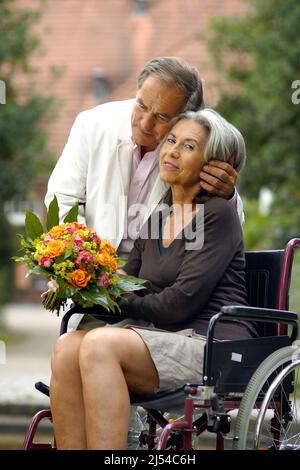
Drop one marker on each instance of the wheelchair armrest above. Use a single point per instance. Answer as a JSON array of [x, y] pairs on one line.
[[96, 312], [256, 314], [266, 315], [260, 314]]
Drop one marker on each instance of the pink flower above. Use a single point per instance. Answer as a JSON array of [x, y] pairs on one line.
[[70, 229], [103, 280], [77, 243], [48, 238], [85, 260], [45, 262], [95, 238]]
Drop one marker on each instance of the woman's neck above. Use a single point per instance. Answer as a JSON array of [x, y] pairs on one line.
[[182, 196]]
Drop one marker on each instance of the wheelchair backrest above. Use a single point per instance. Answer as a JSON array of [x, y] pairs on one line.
[[263, 271], [268, 275]]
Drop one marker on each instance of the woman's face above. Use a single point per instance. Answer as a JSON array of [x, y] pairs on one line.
[[181, 156]]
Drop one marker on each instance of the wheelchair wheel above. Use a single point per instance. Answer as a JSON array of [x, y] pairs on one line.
[[268, 417]]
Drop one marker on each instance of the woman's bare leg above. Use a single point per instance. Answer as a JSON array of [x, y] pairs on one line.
[[113, 360], [66, 393]]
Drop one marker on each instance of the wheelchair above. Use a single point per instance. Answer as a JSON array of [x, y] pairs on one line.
[[252, 380]]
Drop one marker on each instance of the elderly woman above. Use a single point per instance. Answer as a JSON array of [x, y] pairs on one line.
[[161, 347]]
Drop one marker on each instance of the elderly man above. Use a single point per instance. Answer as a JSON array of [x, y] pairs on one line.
[[109, 164]]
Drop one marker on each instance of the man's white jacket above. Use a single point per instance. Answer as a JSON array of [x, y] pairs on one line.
[[95, 168]]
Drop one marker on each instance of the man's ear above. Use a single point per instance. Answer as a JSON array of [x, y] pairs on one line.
[[231, 160]]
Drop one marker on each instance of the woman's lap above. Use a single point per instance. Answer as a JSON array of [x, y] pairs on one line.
[[178, 357]]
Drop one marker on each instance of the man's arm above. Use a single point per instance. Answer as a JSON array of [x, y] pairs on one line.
[[68, 179]]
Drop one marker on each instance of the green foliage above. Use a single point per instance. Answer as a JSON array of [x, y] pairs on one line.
[[33, 226], [6, 251], [72, 214], [272, 230], [259, 56], [22, 133], [23, 137], [52, 214]]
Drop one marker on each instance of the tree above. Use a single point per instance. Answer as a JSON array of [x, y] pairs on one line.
[[259, 56], [23, 151]]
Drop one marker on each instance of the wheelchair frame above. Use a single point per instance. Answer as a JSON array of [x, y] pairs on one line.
[[268, 289]]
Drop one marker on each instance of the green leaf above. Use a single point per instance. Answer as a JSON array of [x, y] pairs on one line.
[[72, 214], [115, 291], [94, 297], [33, 226], [40, 271], [130, 283], [69, 251], [66, 291], [121, 262], [17, 259], [52, 214], [111, 303]]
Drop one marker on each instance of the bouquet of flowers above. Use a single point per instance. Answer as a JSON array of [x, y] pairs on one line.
[[83, 265]]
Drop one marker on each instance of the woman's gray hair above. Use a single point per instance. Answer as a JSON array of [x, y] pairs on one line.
[[224, 141], [178, 72]]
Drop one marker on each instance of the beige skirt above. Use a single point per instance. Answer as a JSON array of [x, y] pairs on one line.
[[178, 356]]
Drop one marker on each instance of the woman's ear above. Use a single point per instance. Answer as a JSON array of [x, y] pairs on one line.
[[231, 160]]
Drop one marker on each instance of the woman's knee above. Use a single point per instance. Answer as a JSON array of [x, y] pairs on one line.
[[66, 351], [98, 345]]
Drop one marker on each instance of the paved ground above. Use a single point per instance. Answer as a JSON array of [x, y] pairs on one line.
[[30, 332], [27, 361]]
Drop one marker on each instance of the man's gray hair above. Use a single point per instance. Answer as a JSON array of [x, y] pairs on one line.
[[178, 72], [224, 141]]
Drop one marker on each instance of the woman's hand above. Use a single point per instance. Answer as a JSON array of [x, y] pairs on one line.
[[218, 178], [52, 287]]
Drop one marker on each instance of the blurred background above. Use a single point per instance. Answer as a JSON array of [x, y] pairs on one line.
[[59, 57]]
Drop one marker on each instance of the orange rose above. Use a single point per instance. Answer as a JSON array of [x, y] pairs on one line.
[[103, 258], [55, 248], [109, 247], [56, 231], [80, 278], [113, 263]]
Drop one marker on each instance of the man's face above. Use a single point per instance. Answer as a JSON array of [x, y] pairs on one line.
[[156, 104]]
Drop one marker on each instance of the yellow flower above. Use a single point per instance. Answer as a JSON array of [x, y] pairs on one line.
[[82, 233], [64, 269], [90, 246], [80, 278], [40, 250]]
